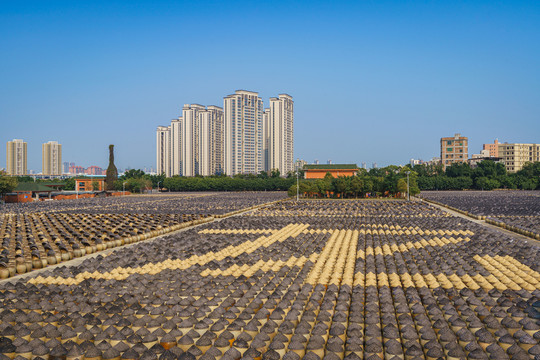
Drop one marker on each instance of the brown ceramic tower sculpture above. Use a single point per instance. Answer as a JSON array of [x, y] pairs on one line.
[[112, 172]]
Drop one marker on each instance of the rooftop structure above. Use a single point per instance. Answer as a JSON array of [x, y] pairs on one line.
[[312, 171]]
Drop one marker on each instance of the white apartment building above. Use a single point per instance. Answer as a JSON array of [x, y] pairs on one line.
[[515, 155], [16, 157], [163, 141], [280, 134], [51, 158], [190, 137], [210, 141], [243, 148], [193, 143], [240, 138], [266, 139], [176, 139]]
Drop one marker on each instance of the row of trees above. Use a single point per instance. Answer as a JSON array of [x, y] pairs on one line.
[[388, 182], [224, 183], [488, 175]]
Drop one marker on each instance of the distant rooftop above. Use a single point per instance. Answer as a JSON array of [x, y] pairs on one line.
[[32, 186], [331, 167]]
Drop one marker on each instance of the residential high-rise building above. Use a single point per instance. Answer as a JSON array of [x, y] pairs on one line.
[[16, 157], [492, 148], [266, 139], [279, 132], [454, 149], [191, 139], [243, 147], [210, 141], [240, 138], [51, 158], [176, 146], [163, 143], [515, 155], [193, 143], [65, 167]]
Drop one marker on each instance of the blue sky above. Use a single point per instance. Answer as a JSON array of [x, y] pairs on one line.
[[373, 81]]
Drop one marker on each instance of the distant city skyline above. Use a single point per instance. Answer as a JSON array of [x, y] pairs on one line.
[[242, 137], [375, 82]]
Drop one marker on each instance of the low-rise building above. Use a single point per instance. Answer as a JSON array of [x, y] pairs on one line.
[[515, 155], [484, 155], [94, 170], [492, 148], [74, 170], [454, 149], [319, 171], [27, 192], [90, 184]]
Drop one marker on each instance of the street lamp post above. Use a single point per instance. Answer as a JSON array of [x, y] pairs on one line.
[[408, 192], [297, 182], [124, 188], [158, 185]]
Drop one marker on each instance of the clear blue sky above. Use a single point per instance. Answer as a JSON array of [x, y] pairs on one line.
[[373, 81]]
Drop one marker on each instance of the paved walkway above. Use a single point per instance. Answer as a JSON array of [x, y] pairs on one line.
[[484, 223]]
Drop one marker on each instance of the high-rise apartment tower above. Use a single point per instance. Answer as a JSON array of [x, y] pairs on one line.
[[210, 141], [176, 139], [240, 138], [279, 134], [163, 143], [16, 157], [243, 148], [193, 143], [51, 158]]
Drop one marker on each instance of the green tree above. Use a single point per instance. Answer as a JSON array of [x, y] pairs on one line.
[[275, 173], [458, 169], [367, 186], [69, 184], [25, 178], [7, 183], [292, 191], [356, 185], [341, 185], [95, 185], [486, 183], [402, 186], [306, 187], [133, 174], [136, 185], [323, 186]]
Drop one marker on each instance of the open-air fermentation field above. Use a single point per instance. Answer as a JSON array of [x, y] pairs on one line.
[[165, 203], [312, 280], [515, 208], [34, 235]]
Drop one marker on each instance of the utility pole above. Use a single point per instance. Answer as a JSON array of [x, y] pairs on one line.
[[408, 192], [297, 181]]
